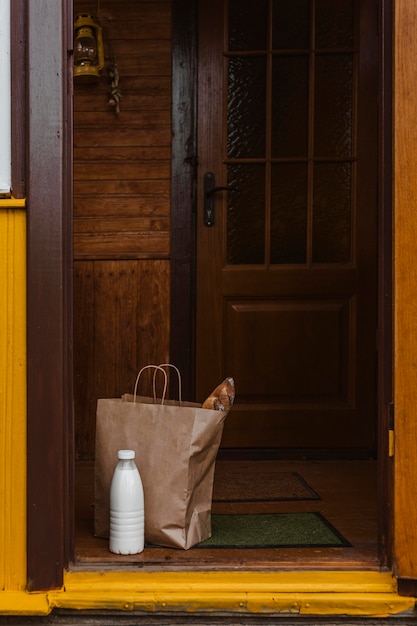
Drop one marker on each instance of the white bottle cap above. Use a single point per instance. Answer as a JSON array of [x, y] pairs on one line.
[[125, 455]]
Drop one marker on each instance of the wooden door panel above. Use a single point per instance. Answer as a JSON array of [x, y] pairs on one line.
[[288, 350], [295, 366], [302, 282], [285, 429]]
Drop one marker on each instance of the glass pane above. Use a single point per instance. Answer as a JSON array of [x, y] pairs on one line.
[[334, 24], [332, 213], [289, 129], [246, 215], [289, 212], [333, 106], [247, 24], [291, 24], [246, 107]]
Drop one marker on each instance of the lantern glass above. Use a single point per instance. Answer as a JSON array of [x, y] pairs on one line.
[[85, 49]]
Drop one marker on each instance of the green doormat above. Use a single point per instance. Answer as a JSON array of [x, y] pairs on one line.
[[261, 486], [273, 530]]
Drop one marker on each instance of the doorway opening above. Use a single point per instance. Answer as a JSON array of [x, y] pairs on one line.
[[134, 267]]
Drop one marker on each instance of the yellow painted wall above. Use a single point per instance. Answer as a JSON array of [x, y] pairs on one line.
[[12, 396]]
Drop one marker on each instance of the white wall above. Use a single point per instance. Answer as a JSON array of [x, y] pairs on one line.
[[5, 98]]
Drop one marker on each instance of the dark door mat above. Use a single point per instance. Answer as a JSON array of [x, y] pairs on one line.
[[273, 530], [261, 486]]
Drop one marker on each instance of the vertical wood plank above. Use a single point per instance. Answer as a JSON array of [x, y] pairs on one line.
[[13, 399], [121, 325], [114, 332], [183, 190], [84, 400], [405, 281], [49, 338], [385, 305], [153, 313]]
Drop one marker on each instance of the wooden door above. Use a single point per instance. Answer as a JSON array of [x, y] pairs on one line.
[[286, 268]]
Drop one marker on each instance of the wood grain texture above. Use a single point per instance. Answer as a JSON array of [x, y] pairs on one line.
[[49, 347], [122, 162], [183, 189], [121, 314], [122, 185], [405, 281]]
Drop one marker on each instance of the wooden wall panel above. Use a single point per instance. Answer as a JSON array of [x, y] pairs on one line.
[[121, 316], [122, 185], [122, 162]]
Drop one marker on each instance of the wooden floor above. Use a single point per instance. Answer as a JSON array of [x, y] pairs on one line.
[[348, 491]]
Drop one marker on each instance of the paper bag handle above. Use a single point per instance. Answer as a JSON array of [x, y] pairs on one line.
[[161, 365], [155, 367]]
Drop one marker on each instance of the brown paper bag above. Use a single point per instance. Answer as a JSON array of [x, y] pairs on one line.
[[176, 444]]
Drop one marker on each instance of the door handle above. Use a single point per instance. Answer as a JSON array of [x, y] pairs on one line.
[[210, 191]]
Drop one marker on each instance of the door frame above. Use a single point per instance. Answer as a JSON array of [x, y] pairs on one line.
[[50, 411], [183, 190], [385, 289], [48, 40]]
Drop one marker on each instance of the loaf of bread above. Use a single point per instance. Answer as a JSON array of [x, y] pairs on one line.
[[222, 398]]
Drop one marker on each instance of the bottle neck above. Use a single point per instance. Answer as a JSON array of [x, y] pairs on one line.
[[127, 464]]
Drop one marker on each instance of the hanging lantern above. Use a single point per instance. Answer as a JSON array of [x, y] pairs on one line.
[[88, 48]]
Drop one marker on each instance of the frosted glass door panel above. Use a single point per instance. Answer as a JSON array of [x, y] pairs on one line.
[[333, 106], [332, 213], [289, 111], [248, 24], [246, 107], [246, 215], [289, 189]]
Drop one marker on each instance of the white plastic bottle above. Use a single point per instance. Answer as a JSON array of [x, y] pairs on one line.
[[127, 515]]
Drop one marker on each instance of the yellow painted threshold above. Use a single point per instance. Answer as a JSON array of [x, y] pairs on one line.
[[367, 594], [299, 593]]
